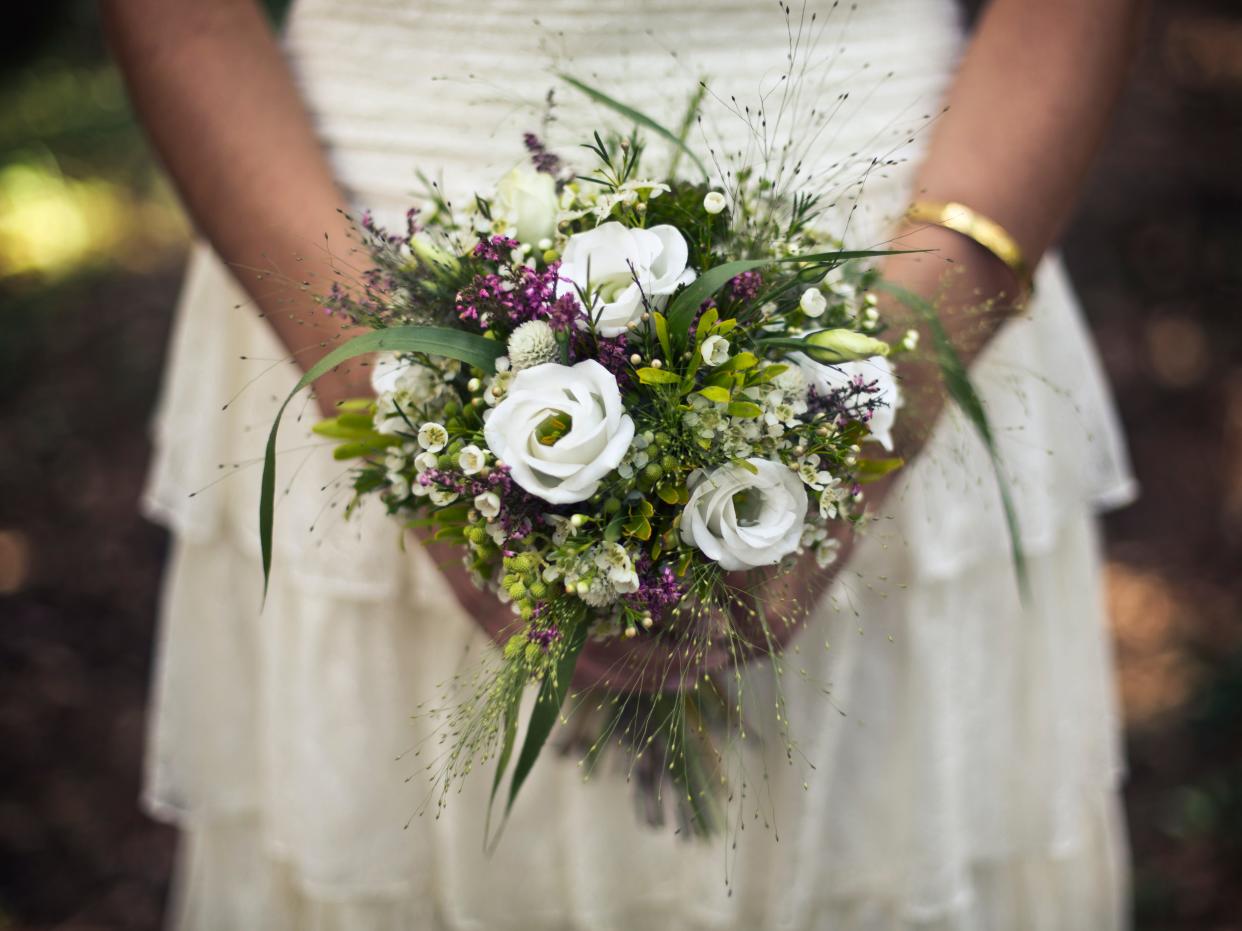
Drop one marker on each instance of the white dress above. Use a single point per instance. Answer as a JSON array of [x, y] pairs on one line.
[[966, 764]]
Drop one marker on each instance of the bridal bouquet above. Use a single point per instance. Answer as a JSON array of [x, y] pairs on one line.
[[632, 402]]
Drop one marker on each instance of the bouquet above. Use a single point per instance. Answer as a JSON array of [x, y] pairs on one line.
[[634, 403]]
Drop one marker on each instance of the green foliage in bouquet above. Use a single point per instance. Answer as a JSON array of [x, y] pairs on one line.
[[614, 394]]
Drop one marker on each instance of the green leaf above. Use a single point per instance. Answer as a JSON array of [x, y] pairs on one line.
[[687, 120], [638, 526], [661, 328], [869, 470], [739, 363], [366, 447], [681, 309], [710, 316], [962, 390], [502, 762], [441, 341], [767, 373], [652, 376], [612, 533], [636, 117], [336, 428], [713, 393], [670, 494], [547, 708], [743, 409], [357, 406]]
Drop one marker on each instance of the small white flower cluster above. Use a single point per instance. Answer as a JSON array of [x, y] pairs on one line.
[[598, 574], [404, 387], [637, 456], [782, 403]]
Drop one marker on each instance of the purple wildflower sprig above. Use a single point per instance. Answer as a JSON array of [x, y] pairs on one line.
[[857, 401], [659, 589]]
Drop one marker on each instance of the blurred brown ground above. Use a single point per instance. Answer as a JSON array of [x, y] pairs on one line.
[[90, 252]]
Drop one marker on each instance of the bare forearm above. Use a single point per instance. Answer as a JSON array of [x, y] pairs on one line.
[[1025, 116], [221, 108], [1028, 109]]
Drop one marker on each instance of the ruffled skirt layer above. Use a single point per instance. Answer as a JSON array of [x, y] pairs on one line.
[[956, 760]]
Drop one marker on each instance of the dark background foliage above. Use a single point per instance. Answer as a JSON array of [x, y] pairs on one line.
[[91, 246]]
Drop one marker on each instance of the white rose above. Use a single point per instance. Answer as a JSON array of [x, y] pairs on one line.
[[560, 429], [526, 199], [828, 378], [715, 350], [615, 266], [742, 519]]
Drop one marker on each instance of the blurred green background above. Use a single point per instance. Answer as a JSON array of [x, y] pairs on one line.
[[91, 248]]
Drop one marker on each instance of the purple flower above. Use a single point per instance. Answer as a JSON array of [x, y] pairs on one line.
[[540, 157], [745, 287], [659, 589]]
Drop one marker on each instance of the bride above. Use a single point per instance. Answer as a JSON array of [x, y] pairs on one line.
[[965, 761]]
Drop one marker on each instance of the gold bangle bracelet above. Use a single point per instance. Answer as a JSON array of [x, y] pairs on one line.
[[975, 226]]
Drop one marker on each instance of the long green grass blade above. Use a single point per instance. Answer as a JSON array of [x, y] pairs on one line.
[[438, 341], [683, 131], [682, 308], [636, 117], [502, 764], [547, 709], [962, 390], [684, 304]]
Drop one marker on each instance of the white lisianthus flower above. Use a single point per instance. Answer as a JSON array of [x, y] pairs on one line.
[[432, 437], [616, 267], [714, 202], [743, 519], [471, 459], [813, 302], [715, 350], [488, 504], [826, 379], [560, 429], [526, 200]]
